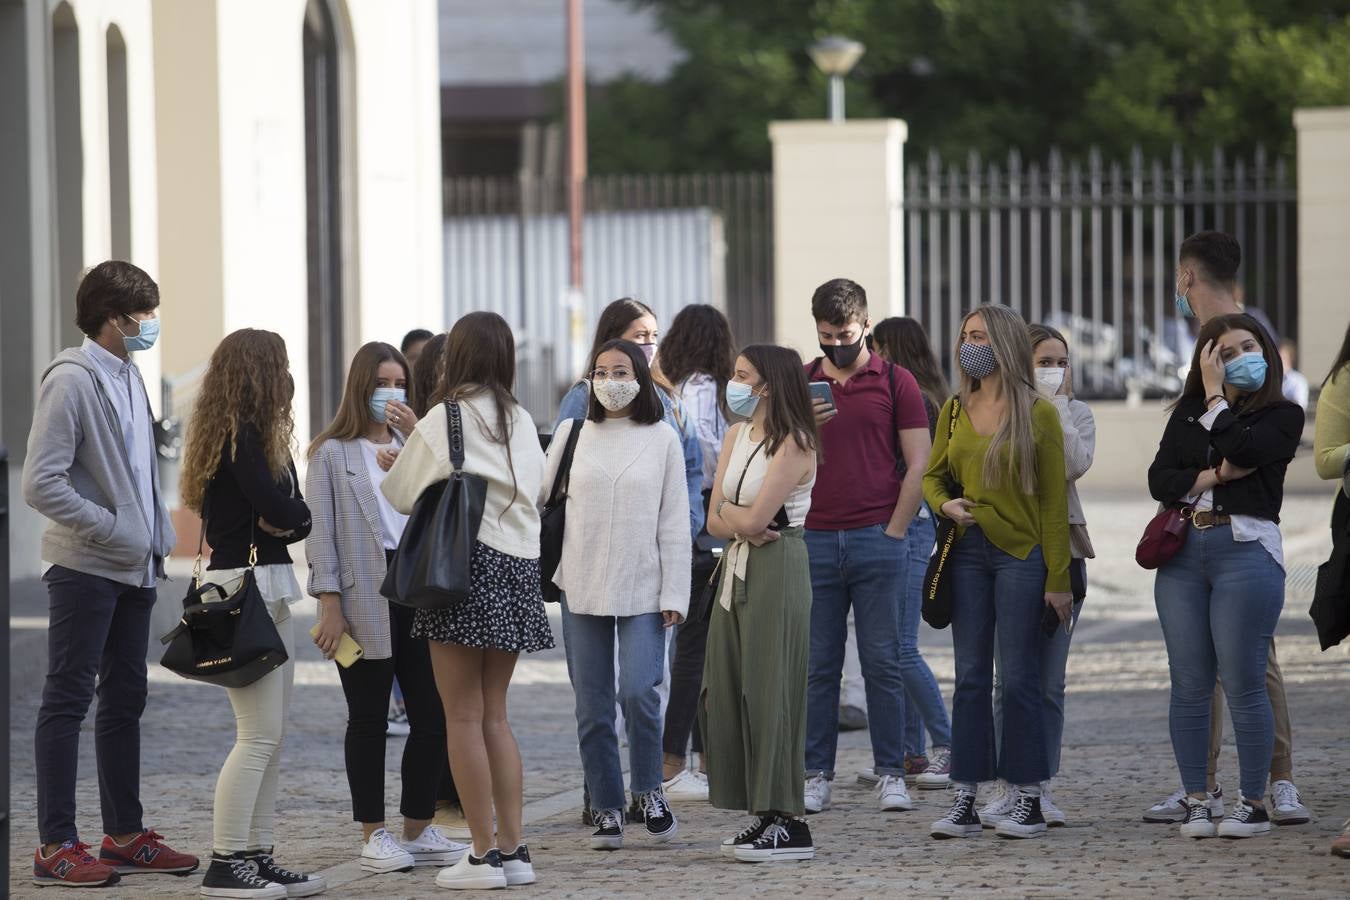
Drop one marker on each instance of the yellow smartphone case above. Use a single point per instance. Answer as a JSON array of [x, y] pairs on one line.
[[348, 652]]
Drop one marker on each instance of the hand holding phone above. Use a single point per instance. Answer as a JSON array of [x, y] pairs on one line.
[[820, 390], [348, 650]]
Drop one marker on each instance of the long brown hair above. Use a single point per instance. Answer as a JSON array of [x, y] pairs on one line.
[[427, 372], [1011, 456], [480, 358], [789, 413], [613, 322], [353, 415], [903, 341], [699, 341], [247, 382], [1270, 391]]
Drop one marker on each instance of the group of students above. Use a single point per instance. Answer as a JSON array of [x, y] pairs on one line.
[[726, 514]]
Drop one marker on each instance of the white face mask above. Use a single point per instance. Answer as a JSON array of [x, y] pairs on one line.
[[615, 395], [1048, 381]]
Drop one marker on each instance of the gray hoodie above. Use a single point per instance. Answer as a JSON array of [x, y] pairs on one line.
[[77, 475]]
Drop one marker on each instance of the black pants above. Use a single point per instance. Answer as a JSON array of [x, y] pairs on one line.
[[101, 628], [686, 670], [367, 685]]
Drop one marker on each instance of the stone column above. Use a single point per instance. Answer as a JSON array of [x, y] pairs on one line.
[[837, 196], [1323, 236]]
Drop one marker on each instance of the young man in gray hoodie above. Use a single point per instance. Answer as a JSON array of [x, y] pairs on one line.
[[91, 471]]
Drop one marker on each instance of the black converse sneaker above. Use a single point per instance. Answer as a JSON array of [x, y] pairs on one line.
[[660, 818], [961, 820], [1199, 819], [1025, 820], [609, 830], [748, 836], [1246, 820], [783, 838], [296, 885], [236, 878]]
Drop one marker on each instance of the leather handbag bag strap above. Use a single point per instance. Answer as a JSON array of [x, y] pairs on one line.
[[563, 479], [454, 425]]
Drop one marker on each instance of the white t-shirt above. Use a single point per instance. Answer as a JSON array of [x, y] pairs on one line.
[[392, 521]]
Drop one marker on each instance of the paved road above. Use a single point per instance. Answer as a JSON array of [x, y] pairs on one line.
[[1117, 760]]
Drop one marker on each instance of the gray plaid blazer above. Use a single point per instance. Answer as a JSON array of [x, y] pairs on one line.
[[344, 547]]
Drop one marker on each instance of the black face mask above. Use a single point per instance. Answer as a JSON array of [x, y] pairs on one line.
[[842, 355]]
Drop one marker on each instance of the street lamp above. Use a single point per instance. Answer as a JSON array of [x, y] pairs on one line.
[[836, 56]]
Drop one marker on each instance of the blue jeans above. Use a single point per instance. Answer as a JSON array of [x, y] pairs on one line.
[[590, 662], [989, 588], [99, 629], [1054, 661], [924, 705], [863, 568], [1219, 601]]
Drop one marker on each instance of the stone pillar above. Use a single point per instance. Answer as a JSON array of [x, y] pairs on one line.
[[1323, 236], [837, 212]]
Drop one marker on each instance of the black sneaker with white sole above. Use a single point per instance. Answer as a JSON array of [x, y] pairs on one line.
[[784, 838], [1199, 822], [748, 835], [1025, 820], [658, 816], [1246, 820], [236, 878], [609, 830], [296, 884], [961, 820]]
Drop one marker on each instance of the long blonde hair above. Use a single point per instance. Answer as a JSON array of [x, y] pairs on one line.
[[353, 416], [247, 382], [1011, 457]]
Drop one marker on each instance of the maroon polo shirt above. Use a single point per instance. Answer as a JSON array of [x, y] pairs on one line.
[[857, 485]]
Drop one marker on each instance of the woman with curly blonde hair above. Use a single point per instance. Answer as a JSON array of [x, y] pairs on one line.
[[238, 474]]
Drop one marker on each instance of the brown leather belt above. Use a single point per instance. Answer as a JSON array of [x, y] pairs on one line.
[[1207, 518]]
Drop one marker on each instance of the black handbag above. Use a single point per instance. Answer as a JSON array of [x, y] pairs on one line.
[[937, 587], [1330, 610], [432, 566], [553, 518], [231, 642]]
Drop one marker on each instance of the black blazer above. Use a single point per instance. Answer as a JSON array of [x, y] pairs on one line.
[[244, 490], [1264, 439]]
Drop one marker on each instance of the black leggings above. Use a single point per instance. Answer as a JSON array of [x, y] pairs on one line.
[[367, 685], [686, 669]]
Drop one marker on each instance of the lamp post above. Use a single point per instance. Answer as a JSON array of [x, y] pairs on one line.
[[836, 56]]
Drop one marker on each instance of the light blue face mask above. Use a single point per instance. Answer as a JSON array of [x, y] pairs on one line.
[[1246, 372], [143, 339], [1183, 305], [741, 399], [381, 396]]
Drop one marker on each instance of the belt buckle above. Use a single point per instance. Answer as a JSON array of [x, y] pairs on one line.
[[1202, 519]]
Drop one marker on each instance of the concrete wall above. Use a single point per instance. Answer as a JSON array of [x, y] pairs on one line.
[[837, 212], [1323, 235]]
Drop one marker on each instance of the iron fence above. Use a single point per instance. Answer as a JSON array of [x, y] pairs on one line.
[[1092, 248], [669, 240]]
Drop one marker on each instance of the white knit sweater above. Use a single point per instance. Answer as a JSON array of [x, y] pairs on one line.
[[509, 526], [626, 545]]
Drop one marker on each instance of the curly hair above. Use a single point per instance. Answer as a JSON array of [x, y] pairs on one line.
[[247, 382], [698, 341]]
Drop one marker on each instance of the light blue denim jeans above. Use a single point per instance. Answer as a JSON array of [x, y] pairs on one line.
[[924, 706]]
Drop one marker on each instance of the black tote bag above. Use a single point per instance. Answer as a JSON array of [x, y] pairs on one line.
[[553, 518], [431, 567], [1330, 610], [937, 584]]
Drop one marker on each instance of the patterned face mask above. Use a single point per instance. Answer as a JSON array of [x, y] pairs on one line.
[[615, 395], [977, 360]]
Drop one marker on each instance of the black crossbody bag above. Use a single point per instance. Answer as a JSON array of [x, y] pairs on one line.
[[937, 588], [553, 518]]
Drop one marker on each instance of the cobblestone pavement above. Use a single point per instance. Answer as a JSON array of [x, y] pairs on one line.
[[1117, 760]]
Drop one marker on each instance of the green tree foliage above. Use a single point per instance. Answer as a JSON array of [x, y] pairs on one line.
[[988, 75]]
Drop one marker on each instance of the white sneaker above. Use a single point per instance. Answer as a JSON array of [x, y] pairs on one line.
[[1286, 805], [431, 848], [868, 777], [1246, 820], [1173, 809], [472, 873], [1000, 806], [397, 725], [382, 853], [517, 866], [1054, 816], [817, 794], [891, 794], [688, 785]]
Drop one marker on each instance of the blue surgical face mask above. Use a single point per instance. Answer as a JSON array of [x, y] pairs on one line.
[[741, 399], [1246, 372], [145, 338], [1183, 305], [381, 396]]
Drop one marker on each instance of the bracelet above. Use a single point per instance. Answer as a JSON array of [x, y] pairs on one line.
[[1214, 397], [721, 503]]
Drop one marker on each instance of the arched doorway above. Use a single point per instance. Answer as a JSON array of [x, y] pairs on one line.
[[324, 210], [69, 159], [119, 155]]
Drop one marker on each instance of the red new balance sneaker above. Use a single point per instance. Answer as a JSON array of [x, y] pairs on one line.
[[70, 866], [146, 853]]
